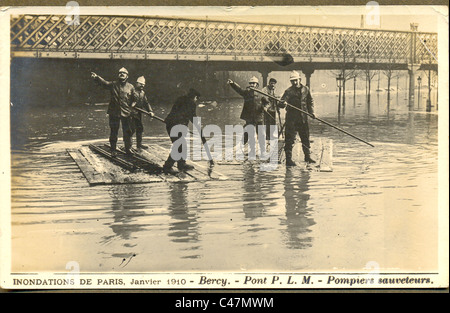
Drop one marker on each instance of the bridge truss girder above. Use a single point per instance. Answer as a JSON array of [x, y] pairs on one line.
[[153, 38]]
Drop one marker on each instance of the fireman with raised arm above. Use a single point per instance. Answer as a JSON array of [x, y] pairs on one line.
[[253, 109], [119, 109]]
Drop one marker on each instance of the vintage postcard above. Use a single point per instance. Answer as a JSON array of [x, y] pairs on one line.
[[224, 148]]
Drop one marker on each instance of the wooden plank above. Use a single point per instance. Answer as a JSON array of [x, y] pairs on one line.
[[152, 169], [144, 153], [140, 156], [150, 157], [93, 177], [95, 163], [160, 154], [113, 173], [101, 171], [140, 162], [157, 161], [200, 171], [105, 151]]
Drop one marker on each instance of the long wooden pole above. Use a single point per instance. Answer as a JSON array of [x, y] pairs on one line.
[[313, 117]]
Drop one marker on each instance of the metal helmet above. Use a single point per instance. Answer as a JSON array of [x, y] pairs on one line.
[[254, 80], [141, 80], [123, 70], [294, 75]]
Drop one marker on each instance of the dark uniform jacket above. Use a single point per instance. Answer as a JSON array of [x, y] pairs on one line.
[[142, 103], [269, 103], [122, 97], [300, 98], [183, 111], [253, 111]]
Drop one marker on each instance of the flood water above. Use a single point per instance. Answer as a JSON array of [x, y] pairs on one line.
[[378, 205]]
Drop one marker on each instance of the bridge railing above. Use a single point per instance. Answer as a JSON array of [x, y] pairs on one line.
[[142, 37]]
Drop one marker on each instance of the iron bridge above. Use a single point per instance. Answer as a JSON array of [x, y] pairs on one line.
[[157, 38]]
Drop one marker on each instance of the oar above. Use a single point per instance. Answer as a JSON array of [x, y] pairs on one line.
[[312, 116], [208, 152]]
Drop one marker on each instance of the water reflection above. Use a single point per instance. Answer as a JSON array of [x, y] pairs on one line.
[[298, 220], [126, 212], [268, 207], [253, 198], [184, 225]]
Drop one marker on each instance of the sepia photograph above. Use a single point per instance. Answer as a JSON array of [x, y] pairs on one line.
[[266, 147]]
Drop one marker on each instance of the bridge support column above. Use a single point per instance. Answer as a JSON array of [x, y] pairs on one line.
[[308, 72], [412, 70], [265, 77]]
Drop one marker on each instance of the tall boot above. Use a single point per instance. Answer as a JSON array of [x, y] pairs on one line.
[[182, 166], [289, 161], [308, 159], [139, 144], [307, 153], [127, 142], [113, 148], [167, 167]]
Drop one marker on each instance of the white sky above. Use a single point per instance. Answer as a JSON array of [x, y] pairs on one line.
[[429, 18], [390, 17], [394, 18]]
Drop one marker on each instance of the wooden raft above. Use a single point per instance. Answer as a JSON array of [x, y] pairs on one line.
[[145, 166]]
